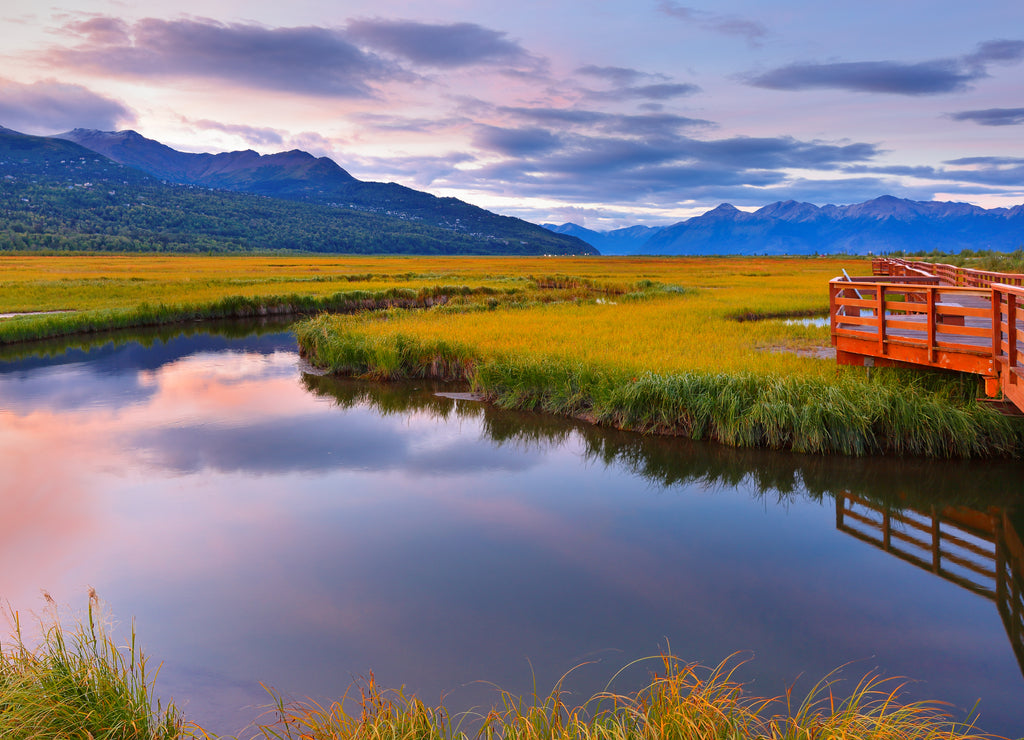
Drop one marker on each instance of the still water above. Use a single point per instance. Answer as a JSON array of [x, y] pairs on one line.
[[264, 523]]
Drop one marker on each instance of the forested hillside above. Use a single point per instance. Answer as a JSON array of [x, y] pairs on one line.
[[58, 195]]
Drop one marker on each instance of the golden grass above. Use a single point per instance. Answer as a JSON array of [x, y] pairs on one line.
[[669, 333], [696, 329], [682, 702]]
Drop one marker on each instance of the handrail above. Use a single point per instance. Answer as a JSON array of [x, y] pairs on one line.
[[952, 318], [953, 275], [1008, 338]]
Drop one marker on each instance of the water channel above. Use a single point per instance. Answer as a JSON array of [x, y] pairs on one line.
[[263, 523]]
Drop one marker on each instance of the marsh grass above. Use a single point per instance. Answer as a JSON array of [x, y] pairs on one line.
[[682, 701], [77, 684], [30, 328], [80, 685], [893, 412]]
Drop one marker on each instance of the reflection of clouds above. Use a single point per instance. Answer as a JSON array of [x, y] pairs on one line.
[[69, 387], [114, 376], [318, 443]]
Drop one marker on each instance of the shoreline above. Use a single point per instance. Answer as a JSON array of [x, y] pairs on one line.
[[807, 415]]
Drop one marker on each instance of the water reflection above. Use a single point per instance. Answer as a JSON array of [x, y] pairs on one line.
[[262, 523], [979, 551], [670, 461]]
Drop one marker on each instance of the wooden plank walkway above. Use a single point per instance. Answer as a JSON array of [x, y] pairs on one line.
[[920, 314]]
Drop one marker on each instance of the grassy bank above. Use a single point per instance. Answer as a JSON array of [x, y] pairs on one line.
[[78, 684], [893, 412], [48, 326], [696, 346]]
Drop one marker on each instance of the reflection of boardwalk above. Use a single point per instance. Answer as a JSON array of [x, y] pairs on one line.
[[979, 551], [920, 314]]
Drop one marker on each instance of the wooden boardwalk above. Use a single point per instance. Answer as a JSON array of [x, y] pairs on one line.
[[920, 314]]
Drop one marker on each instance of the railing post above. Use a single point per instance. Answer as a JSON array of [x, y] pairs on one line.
[[880, 312], [1011, 330], [997, 327], [930, 330], [832, 310]]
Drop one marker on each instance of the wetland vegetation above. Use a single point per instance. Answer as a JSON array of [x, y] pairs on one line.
[[669, 345], [78, 683]]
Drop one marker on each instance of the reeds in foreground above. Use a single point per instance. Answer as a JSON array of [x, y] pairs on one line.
[[682, 702], [78, 684]]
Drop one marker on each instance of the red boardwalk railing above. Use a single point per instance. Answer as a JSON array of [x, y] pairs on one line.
[[941, 316], [1008, 339]]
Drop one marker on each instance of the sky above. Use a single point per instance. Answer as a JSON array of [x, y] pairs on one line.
[[606, 113]]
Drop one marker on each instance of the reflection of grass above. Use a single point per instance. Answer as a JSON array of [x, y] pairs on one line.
[[79, 685], [682, 702], [815, 411]]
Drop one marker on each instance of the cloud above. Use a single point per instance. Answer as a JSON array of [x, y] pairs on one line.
[[590, 167], [632, 84], [999, 51], [309, 60], [398, 123], [992, 116], [446, 46], [49, 106], [986, 161], [441, 45], [252, 134], [923, 78], [513, 142], [990, 171], [898, 78], [618, 75], [730, 25], [655, 91], [654, 124]]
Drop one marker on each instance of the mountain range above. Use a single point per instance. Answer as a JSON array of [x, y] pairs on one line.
[[100, 190], [885, 224], [103, 190]]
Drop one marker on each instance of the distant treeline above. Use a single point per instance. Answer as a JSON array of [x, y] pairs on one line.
[[108, 215]]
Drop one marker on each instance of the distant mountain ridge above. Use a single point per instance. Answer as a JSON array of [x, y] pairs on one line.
[[293, 172], [60, 194], [297, 175], [56, 194], [884, 224]]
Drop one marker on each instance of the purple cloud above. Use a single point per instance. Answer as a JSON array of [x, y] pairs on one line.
[[515, 142], [441, 45], [310, 60], [653, 124], [621, 76], [991, 116], [730, 25], [252, 134], [49, 106], [899, 78], [990, 171], [923, 78], [656, 91]]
